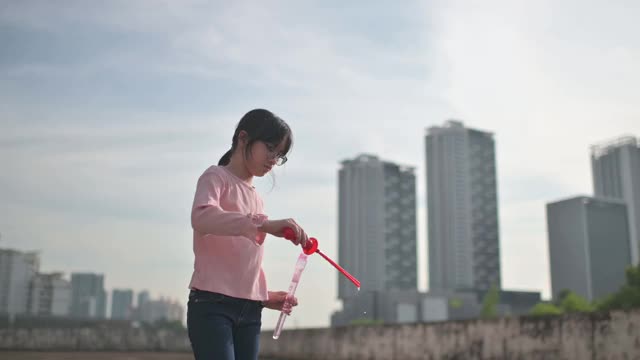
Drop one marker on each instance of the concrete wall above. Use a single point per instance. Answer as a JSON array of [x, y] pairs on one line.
[[93, 339], [598, 336]]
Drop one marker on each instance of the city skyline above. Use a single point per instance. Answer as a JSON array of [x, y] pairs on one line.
[[111, 111], [377, 168], [26, 291]]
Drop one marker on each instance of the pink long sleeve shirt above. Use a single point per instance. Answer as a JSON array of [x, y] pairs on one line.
[[227, 244]]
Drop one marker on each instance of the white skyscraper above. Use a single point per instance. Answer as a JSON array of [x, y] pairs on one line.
[[17, 270], [615, 166], [462, 209], [50, 295]]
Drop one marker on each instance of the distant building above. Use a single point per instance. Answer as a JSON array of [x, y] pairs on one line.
[[468, 304], [89, 299], [377, 225], [162, 309], [143, 297], [615, 166], [410, 306], [50, 295], [17, 270], [462, 209], [392, 307], [588, 246], [122, 304]]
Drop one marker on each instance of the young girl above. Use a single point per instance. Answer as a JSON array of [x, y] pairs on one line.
[[228, 287]]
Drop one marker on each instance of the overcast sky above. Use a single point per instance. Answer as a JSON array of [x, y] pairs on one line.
[[109, 112]]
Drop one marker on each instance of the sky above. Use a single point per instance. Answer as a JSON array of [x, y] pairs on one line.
[[110, 111]]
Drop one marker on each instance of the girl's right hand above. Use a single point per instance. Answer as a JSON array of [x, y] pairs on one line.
[[276, 228]]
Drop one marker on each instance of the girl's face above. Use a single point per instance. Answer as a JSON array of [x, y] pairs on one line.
[[264, 156]]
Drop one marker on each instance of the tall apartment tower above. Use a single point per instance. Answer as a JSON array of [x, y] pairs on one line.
[[462, 208], [377, 225], [615, 167]]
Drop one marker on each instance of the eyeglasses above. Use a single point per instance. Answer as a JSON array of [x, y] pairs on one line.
[[273, 154]]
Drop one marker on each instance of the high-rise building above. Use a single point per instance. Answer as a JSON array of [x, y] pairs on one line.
[[588, 246], [162, 309], [143, 297], [17, 270], [89, 299], [122, 304], [462, 209], [377, 225], [139, 309], [49, 295], [615, 167]]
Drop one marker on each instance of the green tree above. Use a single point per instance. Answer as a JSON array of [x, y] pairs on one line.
[[566, 302], [455, 303], [574, 303], [545, 309], [561, 296], [366, 321], [490, 302], [628, 296]]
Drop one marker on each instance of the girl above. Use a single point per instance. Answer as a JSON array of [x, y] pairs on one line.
[[228, 287]]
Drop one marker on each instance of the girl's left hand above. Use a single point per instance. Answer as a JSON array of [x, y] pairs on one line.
[[277, 299]]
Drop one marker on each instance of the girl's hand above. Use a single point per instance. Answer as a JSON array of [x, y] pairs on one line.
[[276, 228], [277, 299]]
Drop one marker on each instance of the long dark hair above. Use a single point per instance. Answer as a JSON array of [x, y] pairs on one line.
[[260, 125]]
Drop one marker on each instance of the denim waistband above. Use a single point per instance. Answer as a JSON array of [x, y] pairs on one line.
[[197, 293]]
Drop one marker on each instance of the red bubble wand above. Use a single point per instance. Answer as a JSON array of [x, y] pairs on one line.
[[312, 247]]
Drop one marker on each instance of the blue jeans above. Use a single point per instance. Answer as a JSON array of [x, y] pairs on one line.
[[223, 327]]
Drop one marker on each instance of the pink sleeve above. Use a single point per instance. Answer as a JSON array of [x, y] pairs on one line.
[[207, 217]]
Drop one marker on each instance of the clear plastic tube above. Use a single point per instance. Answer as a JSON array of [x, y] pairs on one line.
[[300, 265]]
